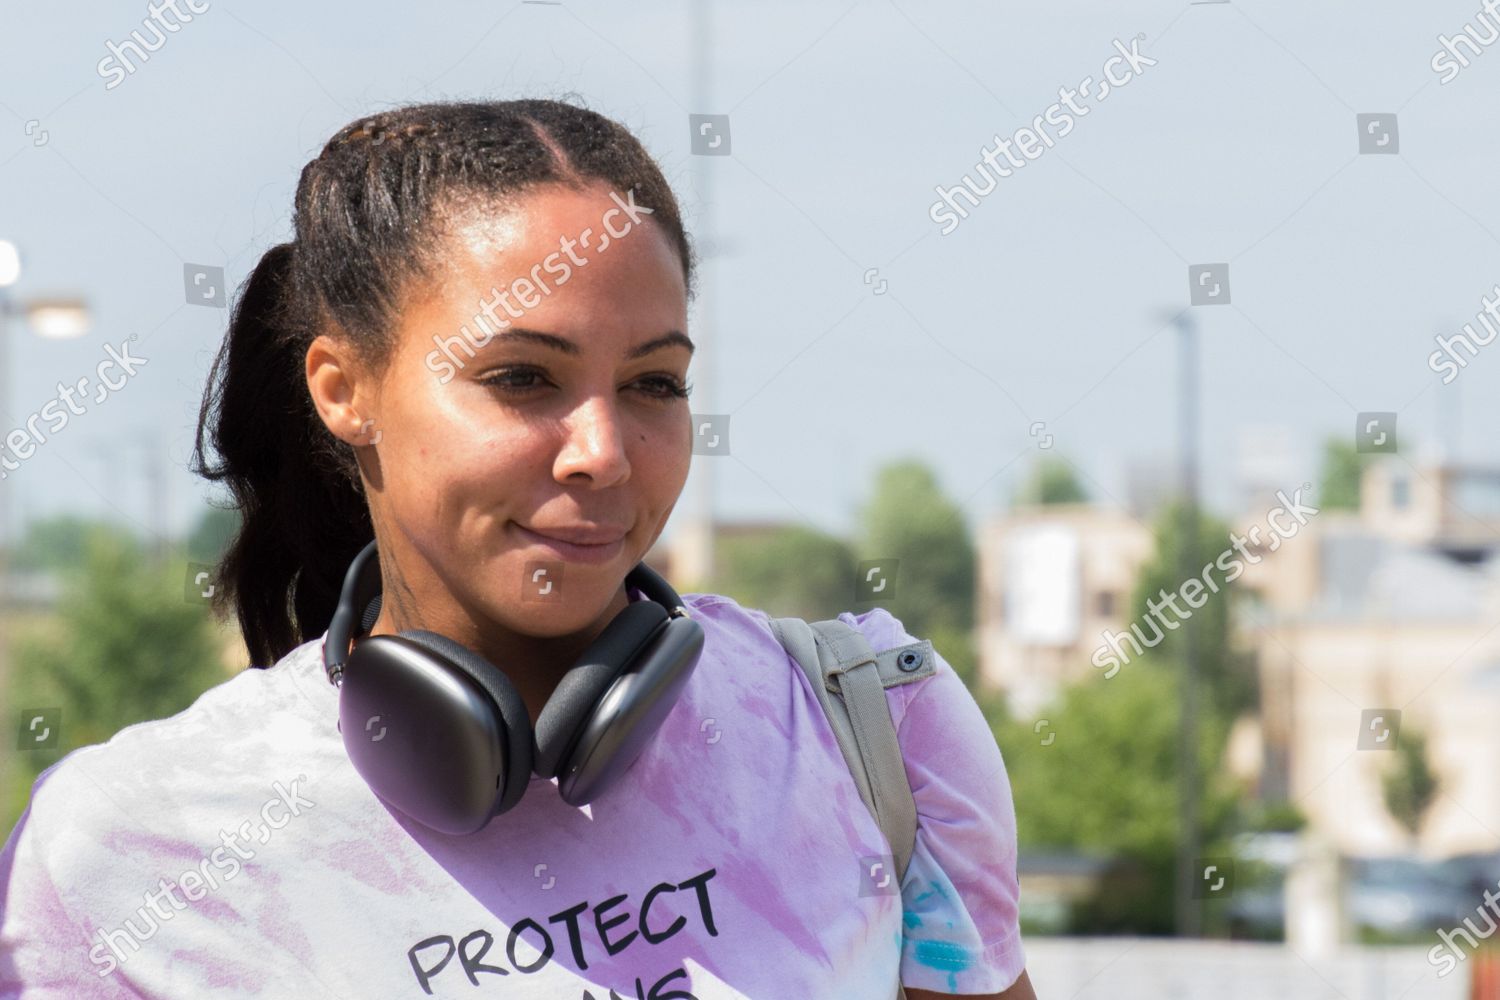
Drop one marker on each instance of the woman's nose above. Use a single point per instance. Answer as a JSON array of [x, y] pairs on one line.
[[594, 444]]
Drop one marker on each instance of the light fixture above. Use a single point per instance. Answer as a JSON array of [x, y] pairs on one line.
[[58, 319]]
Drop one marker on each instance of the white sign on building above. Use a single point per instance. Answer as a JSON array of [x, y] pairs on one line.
[[1042, 585]]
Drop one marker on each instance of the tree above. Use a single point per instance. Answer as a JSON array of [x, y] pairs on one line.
[[1411, 785], [57, 543], [1053, 481], [126, 647], [1228, 677], [1343, 465], [910, 520], [1097, 772], [1107, 781], [212, 534], [794, 570]]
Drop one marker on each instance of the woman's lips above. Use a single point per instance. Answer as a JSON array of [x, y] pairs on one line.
[[571, 551]]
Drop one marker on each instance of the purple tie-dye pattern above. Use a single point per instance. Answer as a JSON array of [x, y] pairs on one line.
[[758, 805]]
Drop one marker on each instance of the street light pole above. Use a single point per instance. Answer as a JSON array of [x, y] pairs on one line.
[[1189, 914], [700, 527]]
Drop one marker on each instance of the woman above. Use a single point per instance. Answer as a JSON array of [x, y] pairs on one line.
[[473, 353]]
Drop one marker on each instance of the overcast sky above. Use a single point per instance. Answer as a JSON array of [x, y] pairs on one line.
[[1047, 305]]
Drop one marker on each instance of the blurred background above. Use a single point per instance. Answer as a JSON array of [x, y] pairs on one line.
[[1136, 354]]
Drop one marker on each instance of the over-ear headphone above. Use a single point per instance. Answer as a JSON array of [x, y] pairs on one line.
[[440, 733]]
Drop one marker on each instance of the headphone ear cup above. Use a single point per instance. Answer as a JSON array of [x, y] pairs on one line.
[[563, 718], [519, 755]]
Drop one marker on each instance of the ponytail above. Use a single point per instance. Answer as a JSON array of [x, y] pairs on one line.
[[302, 506]]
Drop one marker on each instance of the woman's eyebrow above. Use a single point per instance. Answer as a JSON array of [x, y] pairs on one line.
[[675, 337], [566, 346]]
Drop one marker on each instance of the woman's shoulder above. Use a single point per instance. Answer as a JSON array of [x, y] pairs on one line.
[[722, 614], [737, 630], [156, 798], [215, 747], [882, 629]]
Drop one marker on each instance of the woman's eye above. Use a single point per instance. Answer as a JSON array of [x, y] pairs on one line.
[[503, 379], [521, 380], [668, 387]]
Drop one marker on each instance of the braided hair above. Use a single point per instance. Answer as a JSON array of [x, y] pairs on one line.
[[370, 214]]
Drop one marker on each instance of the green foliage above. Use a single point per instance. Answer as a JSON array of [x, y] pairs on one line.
[[793, 570], [1053, 481], [909, 519], [1107, 784], [1411, 785], [211, 535], [1276, 817], [1342, 467], [1227, 679], [1107, 781], [801, 571], [57, 543], [126, 647]]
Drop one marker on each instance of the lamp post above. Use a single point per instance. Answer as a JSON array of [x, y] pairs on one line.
[[1188, 908], [696, 538]]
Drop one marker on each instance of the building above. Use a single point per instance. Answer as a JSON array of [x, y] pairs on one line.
[[1386, 619], [1381, 618]]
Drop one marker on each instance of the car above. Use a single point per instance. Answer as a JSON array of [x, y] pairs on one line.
[[1403, 896]]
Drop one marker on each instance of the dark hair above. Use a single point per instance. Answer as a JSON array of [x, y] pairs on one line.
[[370, 213]]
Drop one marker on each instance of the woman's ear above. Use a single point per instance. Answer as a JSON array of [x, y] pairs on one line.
[[342, 391]]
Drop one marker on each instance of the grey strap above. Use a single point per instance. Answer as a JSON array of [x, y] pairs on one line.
[[874, 730], [800, 640], [850, 679]]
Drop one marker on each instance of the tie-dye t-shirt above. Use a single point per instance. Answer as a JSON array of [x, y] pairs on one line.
[[233, 850]]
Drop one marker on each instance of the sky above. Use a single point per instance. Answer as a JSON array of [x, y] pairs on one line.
[[840, 327]]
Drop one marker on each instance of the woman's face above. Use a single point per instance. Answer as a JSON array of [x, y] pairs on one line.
[[470, 461]]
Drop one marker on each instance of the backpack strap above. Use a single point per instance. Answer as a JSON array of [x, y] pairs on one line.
[[839, 661], [850, 679]]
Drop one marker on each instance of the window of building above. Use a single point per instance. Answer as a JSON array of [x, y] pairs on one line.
[[1400, 492]]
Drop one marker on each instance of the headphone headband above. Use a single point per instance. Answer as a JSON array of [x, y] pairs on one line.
[[362, 588]]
